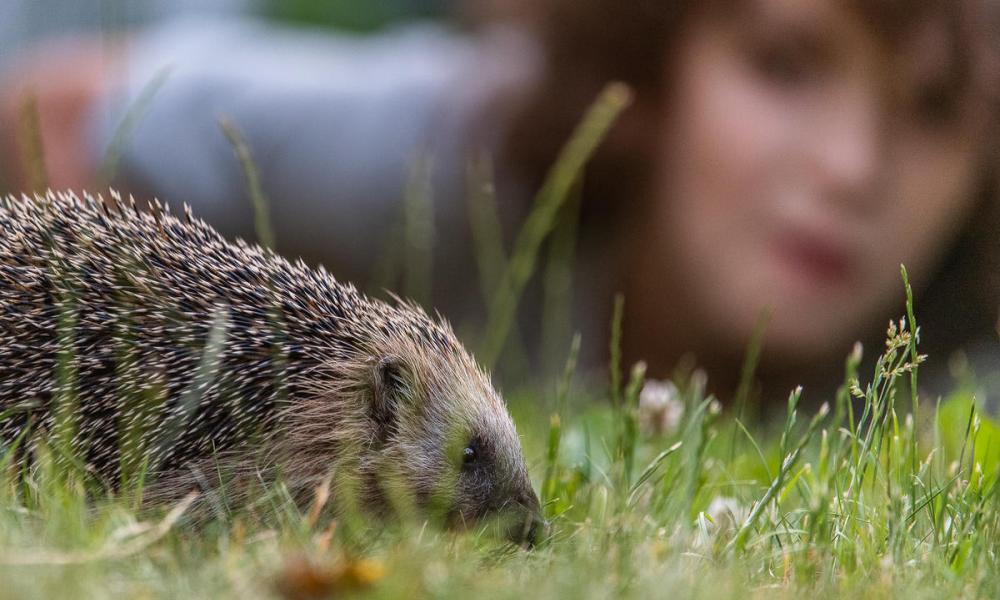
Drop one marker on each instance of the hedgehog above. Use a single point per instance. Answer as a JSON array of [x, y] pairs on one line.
[[144, 341]]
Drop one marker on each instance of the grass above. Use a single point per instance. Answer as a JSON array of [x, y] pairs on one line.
[[878, 505], [871, 496], [542, 220]]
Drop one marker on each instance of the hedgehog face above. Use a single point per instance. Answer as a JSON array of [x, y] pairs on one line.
[[447, 433], [488, 488]]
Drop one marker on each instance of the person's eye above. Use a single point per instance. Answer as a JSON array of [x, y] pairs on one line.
[[788, 64], [936, 105]]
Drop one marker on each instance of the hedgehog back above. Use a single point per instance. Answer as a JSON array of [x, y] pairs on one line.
[[105, 314]]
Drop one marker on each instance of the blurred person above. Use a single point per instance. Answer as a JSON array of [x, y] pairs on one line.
[[802, 152], [783, 157]]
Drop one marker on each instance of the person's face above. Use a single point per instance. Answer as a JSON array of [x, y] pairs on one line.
[[804, 162]]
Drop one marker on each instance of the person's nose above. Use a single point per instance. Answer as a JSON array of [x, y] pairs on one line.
[[850, 151]]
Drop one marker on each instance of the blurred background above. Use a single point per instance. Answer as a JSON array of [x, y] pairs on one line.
[[24, 21], [777, 162]]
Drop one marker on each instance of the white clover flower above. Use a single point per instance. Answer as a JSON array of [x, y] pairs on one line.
[[660, 408], [726, 512]]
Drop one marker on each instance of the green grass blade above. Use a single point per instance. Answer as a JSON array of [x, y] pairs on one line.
[[542, 219]]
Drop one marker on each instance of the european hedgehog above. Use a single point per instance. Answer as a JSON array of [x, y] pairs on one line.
[[179, 353]]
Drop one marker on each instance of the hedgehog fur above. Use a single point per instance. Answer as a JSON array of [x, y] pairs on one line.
[[180, 353]]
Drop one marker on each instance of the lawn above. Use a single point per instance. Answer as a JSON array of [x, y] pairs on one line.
[[861, 498]]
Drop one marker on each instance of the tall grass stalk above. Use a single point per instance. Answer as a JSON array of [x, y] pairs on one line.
[[615, 352], [552, 470], [126, 128], [258, 198], [542, 218], [484, 223], [491, 257], [557, 280], [418, 228], [30, 144]]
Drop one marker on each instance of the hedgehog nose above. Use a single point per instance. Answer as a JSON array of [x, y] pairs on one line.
[[536, 530]]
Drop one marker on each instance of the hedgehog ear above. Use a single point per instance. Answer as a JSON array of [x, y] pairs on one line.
[[391, 389]]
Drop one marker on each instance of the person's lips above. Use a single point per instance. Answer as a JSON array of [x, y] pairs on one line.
[[818, 258]]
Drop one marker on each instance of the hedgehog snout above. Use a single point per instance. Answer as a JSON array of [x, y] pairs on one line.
[[527, 527], [523, 514], [535, 531]]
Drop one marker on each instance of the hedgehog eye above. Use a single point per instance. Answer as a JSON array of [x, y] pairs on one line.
[[469, 456]]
